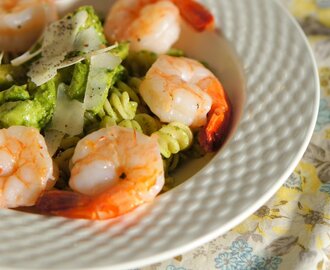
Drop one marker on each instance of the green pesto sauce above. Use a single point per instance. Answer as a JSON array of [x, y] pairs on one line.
[[35, 112]]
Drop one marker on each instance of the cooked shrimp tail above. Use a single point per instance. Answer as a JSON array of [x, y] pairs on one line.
[[111, 203], [213, 133], [67, 204], [60, 200], [195, 14]]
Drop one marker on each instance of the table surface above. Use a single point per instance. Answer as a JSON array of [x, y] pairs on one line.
[[291, 231]]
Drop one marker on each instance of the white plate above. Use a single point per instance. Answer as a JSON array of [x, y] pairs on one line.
[[278, 116]]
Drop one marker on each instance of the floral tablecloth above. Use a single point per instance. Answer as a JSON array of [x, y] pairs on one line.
[[292, 231]]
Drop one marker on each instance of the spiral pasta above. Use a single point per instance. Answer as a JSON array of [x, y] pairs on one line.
[[131, 124], [173, 138], [119, 106], [134, 83], [171, 163], [62, 160], [132, 92], [138, 63], [91, 122], [147, 123]]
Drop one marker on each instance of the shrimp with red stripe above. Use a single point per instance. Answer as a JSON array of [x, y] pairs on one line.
[[179, 89], [154, 25], [23, 21], [114, 171]]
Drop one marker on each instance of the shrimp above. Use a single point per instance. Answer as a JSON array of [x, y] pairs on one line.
[[114, 170], [153, 25], [26, 168], [183, 90], [23, 21]]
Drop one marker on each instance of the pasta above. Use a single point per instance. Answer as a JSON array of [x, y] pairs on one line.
[[147, 123], [132, 92], [92, 122], [138, 63], [171, 163], [173, 138], [119, 106], [131, 124], [62, 159], [75, 81]]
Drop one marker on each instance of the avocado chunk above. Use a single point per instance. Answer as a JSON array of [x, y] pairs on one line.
[[105, 80], [35, 112], [121, 50], [106, 77], [14, 93], [92, 21], [10, 75], [77, 87]]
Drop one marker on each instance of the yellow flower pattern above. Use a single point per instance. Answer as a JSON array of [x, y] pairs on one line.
[[303, 9], [292, 231]]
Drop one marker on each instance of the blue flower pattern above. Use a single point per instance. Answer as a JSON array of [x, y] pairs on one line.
[[323, 118], [172, 267], [240, 247], [325, 188], [248, 261], [271, 263], [241, 257], [294, 182], [226, 261]]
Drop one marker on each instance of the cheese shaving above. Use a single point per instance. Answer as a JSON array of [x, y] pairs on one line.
[[58, 40], [97, 82], [69, 113]]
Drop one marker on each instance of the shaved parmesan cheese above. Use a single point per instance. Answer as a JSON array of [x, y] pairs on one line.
[[74, 60], [69, 113], [58, 40], [25, 57], [106, 61], [88, 40], [98, 79], [53, 140]]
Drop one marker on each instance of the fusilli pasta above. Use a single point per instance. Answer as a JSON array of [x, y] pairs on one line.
[[147, 123], [119, 106], [173, 138]]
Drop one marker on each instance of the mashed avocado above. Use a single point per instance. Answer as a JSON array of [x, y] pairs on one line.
[[78, 83], [33, 103], [77, 87], [92, 21], [10, 75], [14, 93], [35, 112]]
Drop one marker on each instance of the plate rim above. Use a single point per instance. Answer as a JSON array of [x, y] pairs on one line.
[[254, 206], [263, 199]]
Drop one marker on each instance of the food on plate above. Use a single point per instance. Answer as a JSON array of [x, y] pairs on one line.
[[190, 94], [22, 22], [118, 117], [26, 168], [131, 175], [153, 25]]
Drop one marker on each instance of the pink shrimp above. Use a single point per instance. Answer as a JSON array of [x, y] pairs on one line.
[[154, 25], [22, 22], [114, 171], [183, 90], [26, 168]]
